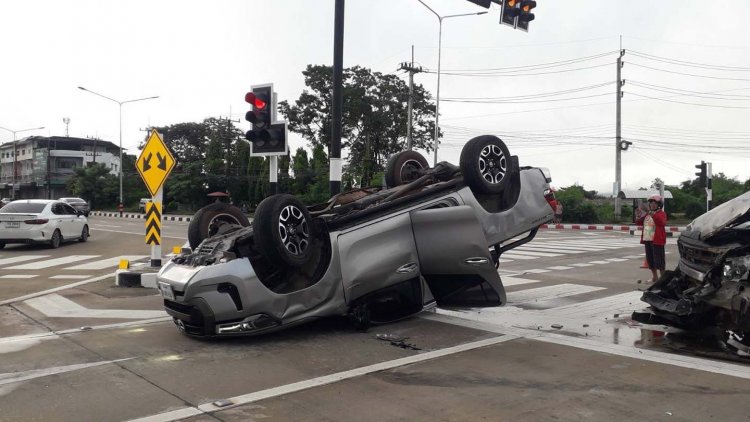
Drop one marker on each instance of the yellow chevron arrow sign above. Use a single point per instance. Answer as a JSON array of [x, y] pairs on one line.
[[153, 223]]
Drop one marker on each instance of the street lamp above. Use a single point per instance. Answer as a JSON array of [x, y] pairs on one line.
[[440, 44], [120, 104], [13, 188]]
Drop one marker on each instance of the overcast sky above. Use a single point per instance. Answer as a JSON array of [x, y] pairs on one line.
[[687, 72]]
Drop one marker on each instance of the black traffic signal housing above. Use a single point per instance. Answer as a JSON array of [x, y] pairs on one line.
[[509, 12], [702, 175], [483, 3], [265, 136], [524, 14]]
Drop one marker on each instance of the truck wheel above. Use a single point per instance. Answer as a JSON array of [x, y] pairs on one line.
[[283, 230], [486, 165], [206, 222], [404, 167]]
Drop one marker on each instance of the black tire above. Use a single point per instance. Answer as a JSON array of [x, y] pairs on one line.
[[486, 164], [404, 167], [55, 240], [84, 234], [206, 222], [284, 231]]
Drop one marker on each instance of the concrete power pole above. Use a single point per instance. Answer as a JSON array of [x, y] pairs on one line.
[[412, 70], [618, 138]]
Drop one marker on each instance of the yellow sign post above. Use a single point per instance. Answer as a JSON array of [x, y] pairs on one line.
[[154, 165]]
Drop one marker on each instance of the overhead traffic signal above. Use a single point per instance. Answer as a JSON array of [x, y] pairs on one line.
[[509, 12], [265, 136], [702, 174], [524, 15]]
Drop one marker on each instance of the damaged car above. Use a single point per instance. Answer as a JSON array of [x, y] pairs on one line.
[[431, 237], [710, 286]]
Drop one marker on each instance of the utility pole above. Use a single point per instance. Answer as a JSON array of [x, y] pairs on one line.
[[618, 139], [412, 70], [334, 177], [709, 187]]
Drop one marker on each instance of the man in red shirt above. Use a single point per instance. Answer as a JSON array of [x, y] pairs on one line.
[[654, 235]]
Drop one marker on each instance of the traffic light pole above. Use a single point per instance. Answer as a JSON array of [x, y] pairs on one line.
[[273, 174], [338, 99]]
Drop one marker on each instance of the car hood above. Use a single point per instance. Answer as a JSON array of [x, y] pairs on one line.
[[728, 214]]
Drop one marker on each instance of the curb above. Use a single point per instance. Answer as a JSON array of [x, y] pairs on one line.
[[127, 278], [139, 216], [632, 229]]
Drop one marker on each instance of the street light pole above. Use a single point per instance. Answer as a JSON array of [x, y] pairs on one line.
[[120, 103], [440, 47], [13, 188]]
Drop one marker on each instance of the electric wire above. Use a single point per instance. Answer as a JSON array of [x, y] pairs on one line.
[[685, 74], [688, 63], [536, 66]]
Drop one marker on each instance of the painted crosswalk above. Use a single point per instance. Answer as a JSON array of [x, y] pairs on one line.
[[71, 267]]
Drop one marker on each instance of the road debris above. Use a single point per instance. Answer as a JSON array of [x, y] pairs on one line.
[[557, 326]]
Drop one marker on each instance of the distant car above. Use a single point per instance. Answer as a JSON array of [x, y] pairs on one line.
[[142, 204], [41, 221], [433, 237], [78, 204]]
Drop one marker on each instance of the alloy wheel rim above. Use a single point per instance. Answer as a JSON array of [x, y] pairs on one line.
[[218, 220], [493, 164], [293, 230]]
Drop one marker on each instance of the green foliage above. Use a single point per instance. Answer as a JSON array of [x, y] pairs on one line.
[[374, 118], [95, 184]]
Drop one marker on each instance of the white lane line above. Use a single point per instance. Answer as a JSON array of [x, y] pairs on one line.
[[559, 268], [18, 276], [600, 308], [536, 271], [706, 365], [69, 277], [582, 264], [532, 252], [599, 262], [576, 246], [515, 281], [634, 256], [615, 259], [56, 289], [515, 256], [105, 263], [269, 393], [57, 334], [53, 262], [56, 306], [12, 377], [22, 258], [552, 249], [543, 294]]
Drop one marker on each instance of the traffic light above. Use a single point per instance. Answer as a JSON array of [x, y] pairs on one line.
[[701, 174], [265, 136], [509, 12], [524, 15]]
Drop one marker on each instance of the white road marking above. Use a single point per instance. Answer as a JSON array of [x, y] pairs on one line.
[[601, 308], [177, 414], [635, 256], [56, 334], [69, 277], [516, 256], [56, 289], [536, 271], [22, 258], [707, 365], [56, 306], [18, 276], [105, 263], [615, 259], [582, 264], [143, 233], [531, 252], [560, 268], [515, 281], [13, 377], [53, 262], [543, 294], [553, 249], [599, 262]]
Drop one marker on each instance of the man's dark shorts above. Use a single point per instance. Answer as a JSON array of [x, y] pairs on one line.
[[655, 256]]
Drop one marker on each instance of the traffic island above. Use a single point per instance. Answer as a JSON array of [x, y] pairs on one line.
[[137, 277]]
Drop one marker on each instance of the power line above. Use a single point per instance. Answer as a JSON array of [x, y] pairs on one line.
[[517, 74], [538, 65], [689, 64], [523, 101], [686, 103], [687, 93], [537, 95], [687, 74]]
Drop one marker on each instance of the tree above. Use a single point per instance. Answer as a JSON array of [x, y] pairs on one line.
[[96, 184], [374, 118]]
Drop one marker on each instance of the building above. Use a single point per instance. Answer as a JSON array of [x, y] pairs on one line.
[[44, 164]]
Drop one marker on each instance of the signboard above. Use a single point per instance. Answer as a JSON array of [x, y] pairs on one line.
[[153, 223], [155, 163]]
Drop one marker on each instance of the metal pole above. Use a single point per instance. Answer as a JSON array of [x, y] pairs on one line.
[[273, 174], [13, 187], [120, 166], [618, 139], [338, 99], [437, 102], [411, 94], [156, 249]]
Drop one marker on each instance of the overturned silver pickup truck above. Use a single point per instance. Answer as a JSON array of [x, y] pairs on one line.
[[710, 287], [432, 237]]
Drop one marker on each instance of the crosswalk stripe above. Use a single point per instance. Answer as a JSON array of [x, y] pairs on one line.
[[70, 277], [606, 306], [544, 294], [517, 256], [18, 276], [53, 262], [582, 264], [580, 246], [537, 271], [531, 252], [105, 263], [616, 259], [515, 281], [560, 268], [557, 250], [22, 258], [599, 262]]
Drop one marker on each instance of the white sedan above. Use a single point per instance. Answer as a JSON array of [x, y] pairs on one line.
[[41, 221]]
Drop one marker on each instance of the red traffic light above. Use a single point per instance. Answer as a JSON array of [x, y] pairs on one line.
[[253, 99]]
